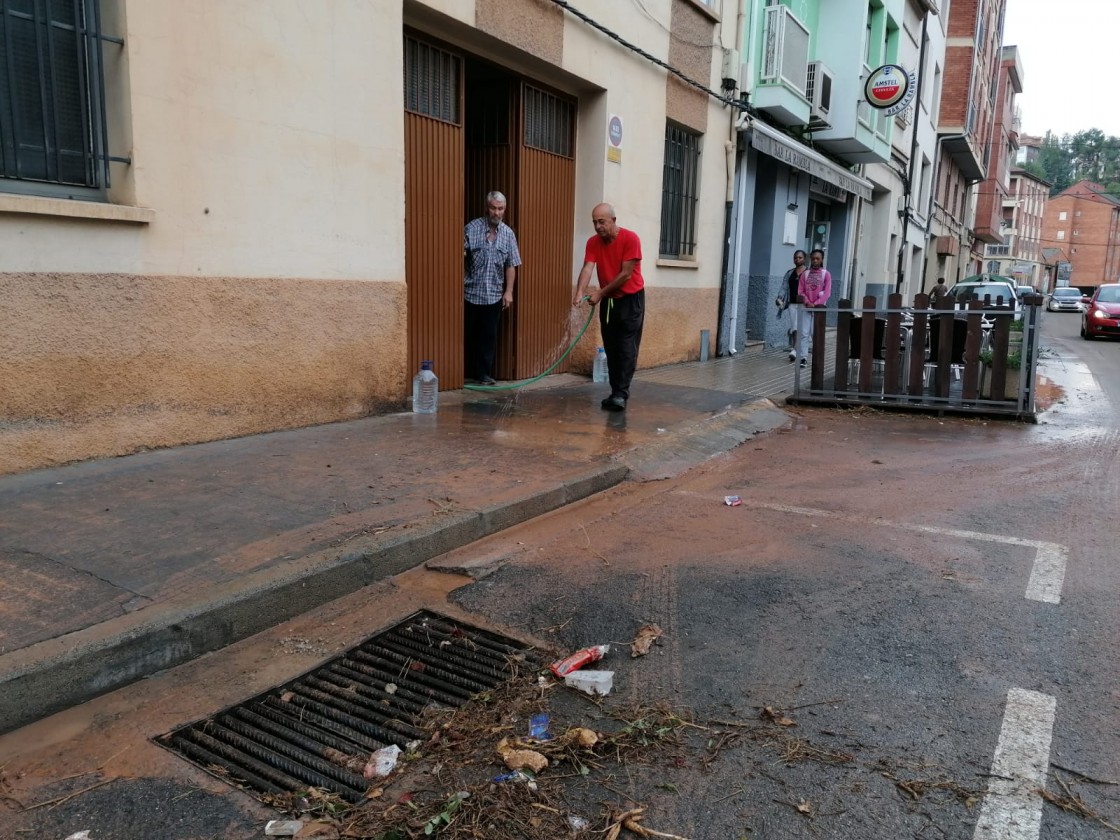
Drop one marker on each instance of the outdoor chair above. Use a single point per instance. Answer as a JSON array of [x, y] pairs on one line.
[[855, 345], [956, 353]]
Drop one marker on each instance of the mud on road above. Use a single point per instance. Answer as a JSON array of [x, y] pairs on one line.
[[873, 588]]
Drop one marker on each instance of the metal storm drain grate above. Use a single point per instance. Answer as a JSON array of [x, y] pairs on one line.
[[320, 729]]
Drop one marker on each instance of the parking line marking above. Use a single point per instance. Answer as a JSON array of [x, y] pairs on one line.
[[1047, 573], [1012, 808]]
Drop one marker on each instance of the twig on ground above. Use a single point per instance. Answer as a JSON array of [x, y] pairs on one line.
[[58, 800]]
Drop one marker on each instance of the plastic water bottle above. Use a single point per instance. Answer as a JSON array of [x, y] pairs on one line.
[[425, 390], [599, 371]]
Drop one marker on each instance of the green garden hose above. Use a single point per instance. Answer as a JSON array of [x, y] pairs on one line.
[[513, 385]]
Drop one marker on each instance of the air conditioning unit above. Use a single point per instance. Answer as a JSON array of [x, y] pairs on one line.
[[818, 90]]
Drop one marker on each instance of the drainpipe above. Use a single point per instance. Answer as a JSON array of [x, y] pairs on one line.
[[730, 149], [908, 189]]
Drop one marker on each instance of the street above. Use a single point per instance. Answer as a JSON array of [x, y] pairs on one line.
[[928, 605]]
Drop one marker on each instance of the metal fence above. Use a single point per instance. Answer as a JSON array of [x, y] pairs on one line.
[[971, 357]]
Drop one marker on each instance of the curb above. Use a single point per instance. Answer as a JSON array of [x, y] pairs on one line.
[[687, 447], [57, 674]]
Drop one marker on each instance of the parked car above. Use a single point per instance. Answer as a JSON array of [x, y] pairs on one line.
[[1022, 291], [1065, 299], [1102, 316], [999, 293]]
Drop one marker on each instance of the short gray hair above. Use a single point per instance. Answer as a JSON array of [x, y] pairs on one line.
[[494, 195]]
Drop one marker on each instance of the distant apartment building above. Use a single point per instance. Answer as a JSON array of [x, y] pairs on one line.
[[968, 106], [990, 225], [1084, 222], [1020, 255], [1030, 148]]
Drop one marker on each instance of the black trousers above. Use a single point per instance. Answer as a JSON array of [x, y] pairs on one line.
[[620, 322], [480, 338]]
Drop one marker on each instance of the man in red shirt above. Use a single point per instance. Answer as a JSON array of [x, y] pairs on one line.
[[615, 254]]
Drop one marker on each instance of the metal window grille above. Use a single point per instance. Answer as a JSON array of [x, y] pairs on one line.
[[786, 49], [679, 192], [548, 122], [53, 127], [431, 81]]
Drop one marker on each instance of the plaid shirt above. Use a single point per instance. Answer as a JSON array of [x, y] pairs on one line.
[[485, 279]]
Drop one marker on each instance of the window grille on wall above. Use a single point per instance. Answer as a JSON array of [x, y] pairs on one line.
[[549, 122], [679, 193], [53, 128], [431, 81]]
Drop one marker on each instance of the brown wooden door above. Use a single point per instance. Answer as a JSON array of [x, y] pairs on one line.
[[434, 166], [537, 333]]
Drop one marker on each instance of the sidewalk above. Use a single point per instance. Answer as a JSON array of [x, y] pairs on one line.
[[118, 568]]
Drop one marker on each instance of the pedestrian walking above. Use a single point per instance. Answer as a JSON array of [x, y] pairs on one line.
[[939, 291], [787, 300], [615, 255], [814, 288], [491, 258]]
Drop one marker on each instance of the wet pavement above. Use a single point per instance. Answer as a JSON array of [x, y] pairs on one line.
[[120, 567], [826, 593]]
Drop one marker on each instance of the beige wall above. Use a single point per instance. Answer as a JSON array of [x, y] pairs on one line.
[[267, 290]]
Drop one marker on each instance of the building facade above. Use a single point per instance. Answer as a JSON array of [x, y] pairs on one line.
[[221, 219], [892, 244], [808, 131], [1020, 255], [1081, 226], [966, 112], [991, 225]]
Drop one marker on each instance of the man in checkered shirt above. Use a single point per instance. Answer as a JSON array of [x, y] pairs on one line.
[[491, 259]]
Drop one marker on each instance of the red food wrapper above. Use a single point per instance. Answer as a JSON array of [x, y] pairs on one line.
[[578, 659]]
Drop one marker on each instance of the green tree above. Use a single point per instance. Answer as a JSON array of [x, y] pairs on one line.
[[1054, 158]]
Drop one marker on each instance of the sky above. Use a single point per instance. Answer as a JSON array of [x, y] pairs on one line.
[[1068, 51]]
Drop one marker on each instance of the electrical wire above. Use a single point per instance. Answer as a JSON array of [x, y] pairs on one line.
[[734, 103]]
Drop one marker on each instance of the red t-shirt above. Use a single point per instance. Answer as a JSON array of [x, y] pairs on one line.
[[609, 257]]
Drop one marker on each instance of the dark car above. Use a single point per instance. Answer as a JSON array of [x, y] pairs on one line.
[[1065, 299], [1102, 315]]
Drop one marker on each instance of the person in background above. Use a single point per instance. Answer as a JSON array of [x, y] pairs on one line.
[[615, 255], [491, 259], [788, 298], [814, 288], [939, 291]]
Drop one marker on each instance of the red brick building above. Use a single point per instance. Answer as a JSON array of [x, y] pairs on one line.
[[1085, 222]]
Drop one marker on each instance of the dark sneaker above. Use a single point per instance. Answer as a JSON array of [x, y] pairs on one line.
[[803, 363], [614, 403], [792, 356], [486, 380]]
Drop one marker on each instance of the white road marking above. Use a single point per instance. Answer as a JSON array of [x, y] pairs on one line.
[[1012, 808], [1047, 574]]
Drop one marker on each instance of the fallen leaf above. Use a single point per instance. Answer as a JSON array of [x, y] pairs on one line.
[[647, 635], [805, 808], [777, 716]]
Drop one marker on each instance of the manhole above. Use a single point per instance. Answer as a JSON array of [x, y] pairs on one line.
[[320, 729]]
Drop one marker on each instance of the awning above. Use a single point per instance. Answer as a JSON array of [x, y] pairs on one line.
[[772, 142]]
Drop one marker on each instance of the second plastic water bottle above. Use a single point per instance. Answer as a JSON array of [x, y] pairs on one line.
[[425, 390], [599, 372]]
